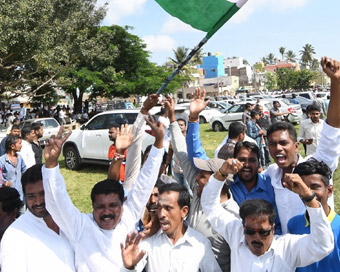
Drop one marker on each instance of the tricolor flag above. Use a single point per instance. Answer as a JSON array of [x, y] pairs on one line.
[[205, 15]]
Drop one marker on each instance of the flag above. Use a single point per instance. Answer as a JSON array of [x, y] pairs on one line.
[[206, 15]]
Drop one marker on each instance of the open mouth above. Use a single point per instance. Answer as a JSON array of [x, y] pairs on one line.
[[280, 158], [164, 225]]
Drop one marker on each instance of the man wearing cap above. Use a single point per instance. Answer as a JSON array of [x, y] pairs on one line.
[[196, 218]]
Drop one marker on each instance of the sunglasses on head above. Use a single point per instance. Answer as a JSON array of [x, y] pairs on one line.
[[262, 232]]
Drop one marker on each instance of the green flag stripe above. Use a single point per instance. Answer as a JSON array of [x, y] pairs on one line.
[[204, 15]]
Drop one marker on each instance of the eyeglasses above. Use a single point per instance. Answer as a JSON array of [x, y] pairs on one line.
[[252, 232]]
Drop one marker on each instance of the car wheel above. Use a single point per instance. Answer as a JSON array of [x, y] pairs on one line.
[[202, 120], [72, 160], [217, 126]]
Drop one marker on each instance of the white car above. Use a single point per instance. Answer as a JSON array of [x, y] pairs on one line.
[[90, 143], [51, 127], [234, 113], [204, 116]]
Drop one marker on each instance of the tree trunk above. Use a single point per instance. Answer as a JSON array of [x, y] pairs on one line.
[[78, 101]]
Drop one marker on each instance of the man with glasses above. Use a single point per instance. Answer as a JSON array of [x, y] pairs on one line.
[[251, 238]]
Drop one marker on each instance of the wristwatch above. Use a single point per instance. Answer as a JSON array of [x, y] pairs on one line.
[[308, 199]]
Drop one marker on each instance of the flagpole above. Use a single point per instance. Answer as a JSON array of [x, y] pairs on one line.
[[184, 62]]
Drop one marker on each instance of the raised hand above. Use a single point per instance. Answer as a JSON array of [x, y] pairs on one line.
[[149, 103], [158, 131], [169, 105], [124, 138], [294, 183], [231, 166], [130, 252], [331, 68], [197, 104], [53, 148]]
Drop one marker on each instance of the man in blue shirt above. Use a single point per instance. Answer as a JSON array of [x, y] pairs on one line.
[[248, 184], [316, 175], [254, 131], [15, 130], [294, 100], [12, 164]]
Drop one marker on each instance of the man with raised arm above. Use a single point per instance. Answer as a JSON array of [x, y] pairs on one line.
[[96, 237], [251, 238], [283, 147]]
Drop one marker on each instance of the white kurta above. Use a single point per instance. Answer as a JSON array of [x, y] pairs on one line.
[[29, 245], [285, 253], [27, 154], [97, 249]]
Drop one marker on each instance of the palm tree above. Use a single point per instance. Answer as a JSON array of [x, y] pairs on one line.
[[270, 58], [291, 56], [197, 58], [282, 51], [315, 64], [307, 54], [264, 60]]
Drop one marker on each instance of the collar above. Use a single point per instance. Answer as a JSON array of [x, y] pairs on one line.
[[330, 217], [261, 180], [231, 141], [187, 237]]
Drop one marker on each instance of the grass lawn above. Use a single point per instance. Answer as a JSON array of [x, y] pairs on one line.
[[79, 183]]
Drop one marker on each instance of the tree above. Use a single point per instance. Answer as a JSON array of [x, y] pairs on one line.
[[282, 51], [315, 64], [245, 62], [286, 78], [40, 39], [307, 54], [271, 82], [304, 78], [271, 58], [264, 60], [291, 56]]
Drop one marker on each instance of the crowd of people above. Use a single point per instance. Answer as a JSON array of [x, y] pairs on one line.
[[235, 212]]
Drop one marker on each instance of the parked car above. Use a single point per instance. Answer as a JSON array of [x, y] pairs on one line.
[[219, 105], [234, 113], [51, 127], [90, 143], [204, 116], [308, 95]]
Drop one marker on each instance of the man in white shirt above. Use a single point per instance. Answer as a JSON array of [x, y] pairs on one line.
[[34, 242], [22, 112], [283, 147], [310, 130], [252, 242], [176, 246], [26, 152], [96, 237]]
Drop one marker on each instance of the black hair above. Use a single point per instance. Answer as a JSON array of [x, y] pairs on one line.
[[25, 130], [293, 95], [107, 186], [32, 175], [318, 95], [248, 105], [283, 96], [182, 119], [314, 107], [235, 129], [249, 145], [15, 127], [275, 101], [10, 199], [159, 183], [184, 196], [11, 140], [257, 208], [253, 113], [283, 126], [313, 166], [15, 120], [36, 126]]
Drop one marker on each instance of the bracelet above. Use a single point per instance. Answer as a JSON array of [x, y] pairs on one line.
[[118, 157], [308, 199], [221, 174]]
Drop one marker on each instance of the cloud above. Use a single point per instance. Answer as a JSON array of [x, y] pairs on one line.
[[172, 25], [118, 9], [159, 43], [274, 5]]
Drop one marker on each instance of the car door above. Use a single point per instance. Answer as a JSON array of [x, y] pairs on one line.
[[95, 139], [233, 114]]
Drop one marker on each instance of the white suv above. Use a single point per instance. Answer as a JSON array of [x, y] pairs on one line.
[[90, 143]]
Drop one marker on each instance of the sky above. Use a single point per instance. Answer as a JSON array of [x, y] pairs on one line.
[[259, 28]]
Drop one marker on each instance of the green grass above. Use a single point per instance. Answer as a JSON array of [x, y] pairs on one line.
[[79, 183]]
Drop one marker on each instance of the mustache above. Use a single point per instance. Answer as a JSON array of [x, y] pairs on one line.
[[257, 243], [152, 206], [110, 216]]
